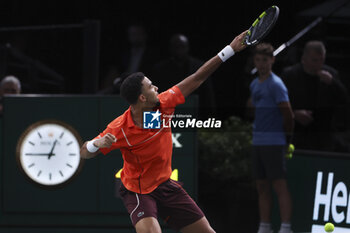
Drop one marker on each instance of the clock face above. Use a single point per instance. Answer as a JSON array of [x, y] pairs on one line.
[[48, 152]]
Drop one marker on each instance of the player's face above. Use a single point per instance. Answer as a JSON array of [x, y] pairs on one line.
[[150, 92], [263, 64], [313, 61]]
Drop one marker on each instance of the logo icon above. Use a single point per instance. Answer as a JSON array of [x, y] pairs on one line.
[[140, 214], [151, 120]]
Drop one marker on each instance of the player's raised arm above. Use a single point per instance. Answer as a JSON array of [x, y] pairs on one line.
[[91, 148], [192, 82]]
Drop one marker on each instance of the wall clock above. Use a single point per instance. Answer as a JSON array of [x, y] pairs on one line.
[[48, 153]]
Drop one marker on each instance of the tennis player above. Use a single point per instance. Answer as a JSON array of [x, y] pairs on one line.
[[147, 190]]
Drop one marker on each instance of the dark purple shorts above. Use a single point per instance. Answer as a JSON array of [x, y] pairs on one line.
[[168, 201]]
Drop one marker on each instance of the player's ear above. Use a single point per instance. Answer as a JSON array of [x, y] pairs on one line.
[[273, 59], [142, 98]]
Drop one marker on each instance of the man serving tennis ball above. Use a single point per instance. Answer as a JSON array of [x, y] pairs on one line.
[[147, 190]]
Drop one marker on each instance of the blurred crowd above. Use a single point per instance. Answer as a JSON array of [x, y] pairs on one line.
[[319, 99]]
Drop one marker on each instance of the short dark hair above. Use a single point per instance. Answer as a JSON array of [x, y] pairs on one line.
[[315, 45], [131, 87], [263, 49]]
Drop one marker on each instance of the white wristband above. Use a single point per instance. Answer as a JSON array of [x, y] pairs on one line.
[[91, 147], [226, 53]]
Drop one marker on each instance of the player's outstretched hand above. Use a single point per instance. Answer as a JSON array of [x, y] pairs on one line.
[[106, 141], [238, 42]]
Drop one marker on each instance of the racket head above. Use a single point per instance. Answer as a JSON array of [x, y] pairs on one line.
[[262, 26]]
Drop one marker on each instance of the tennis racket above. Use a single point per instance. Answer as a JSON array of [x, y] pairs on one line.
[[262, 26]]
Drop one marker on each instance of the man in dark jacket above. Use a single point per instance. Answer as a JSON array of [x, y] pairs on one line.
[[315, 92]]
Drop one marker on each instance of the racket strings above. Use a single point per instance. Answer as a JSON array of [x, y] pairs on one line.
[[259, 30], [262, 25]]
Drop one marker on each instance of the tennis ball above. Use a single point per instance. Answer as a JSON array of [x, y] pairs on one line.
[[289, 155], [291, 148], [329, 227], [290, 151]]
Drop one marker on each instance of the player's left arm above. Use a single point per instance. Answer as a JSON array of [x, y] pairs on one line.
[[288, 119], [192, 82]]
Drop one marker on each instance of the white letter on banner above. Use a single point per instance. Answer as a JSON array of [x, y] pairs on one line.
[[348, 212], [175, 137], [323, 199], [339, 201]]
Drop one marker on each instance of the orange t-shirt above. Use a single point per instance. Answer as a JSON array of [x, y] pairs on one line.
[[146, 153]]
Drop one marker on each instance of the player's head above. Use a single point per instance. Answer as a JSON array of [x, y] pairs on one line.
[[313, 57], [263, 58], [10, 85], [138, 89]]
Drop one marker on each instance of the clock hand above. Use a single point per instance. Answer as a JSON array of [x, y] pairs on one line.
[[38, 154], [53, 147]]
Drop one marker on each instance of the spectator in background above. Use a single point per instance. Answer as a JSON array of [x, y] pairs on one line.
[[9, 85], [137, 55], [272, 126], [315, 93], [181, 64]]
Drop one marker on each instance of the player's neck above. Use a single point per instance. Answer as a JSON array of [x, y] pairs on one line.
[[263, 77], [136, 114]]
